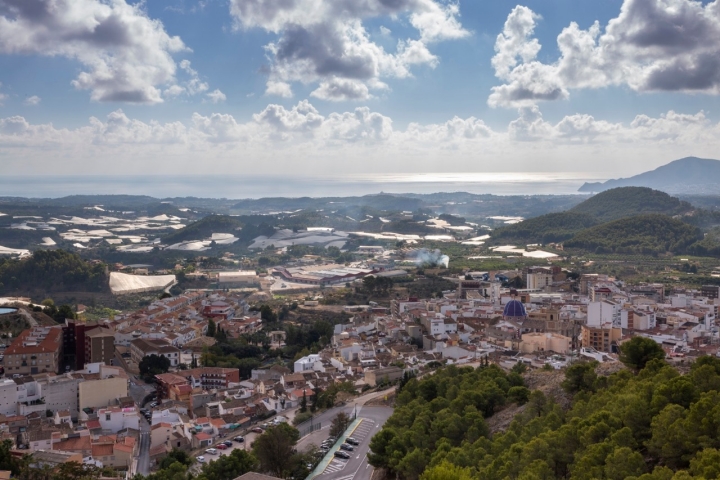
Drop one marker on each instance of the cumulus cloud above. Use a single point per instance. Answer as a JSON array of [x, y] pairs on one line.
[[653, 45], [216, 96], [361, 137], [32, 101], [326, 42], [2, 96], [126, 56]]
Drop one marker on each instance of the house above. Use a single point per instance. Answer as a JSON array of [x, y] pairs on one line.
[[140, 348]]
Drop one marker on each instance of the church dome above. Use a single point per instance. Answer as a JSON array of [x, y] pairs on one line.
[[514, 309]]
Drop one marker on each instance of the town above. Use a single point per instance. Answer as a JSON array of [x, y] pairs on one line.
[[127, 391]]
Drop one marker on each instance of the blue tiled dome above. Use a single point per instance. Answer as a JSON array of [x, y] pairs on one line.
[[514, 308]]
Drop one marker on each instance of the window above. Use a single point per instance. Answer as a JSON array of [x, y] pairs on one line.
[[107, 417]]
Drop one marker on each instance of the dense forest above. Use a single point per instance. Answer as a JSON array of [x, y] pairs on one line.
[[628, 201], [553, 227], [641, 234], [52, 270], [655, 424]]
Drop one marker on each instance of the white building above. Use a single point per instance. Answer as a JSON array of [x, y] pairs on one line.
[[603, 313], [8, 397], [114, 419], [306, 363]]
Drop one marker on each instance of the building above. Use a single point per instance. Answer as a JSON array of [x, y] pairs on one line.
[[603, 313], [74, 342], [322, 274], [114, 419], [238, 279], [306, 363], [38, 350], [99, 393], [601, 339], [141, 347], [60, 392], [637, 320], [179, 385], [538, 278], [514, 311], [710, 291], [380, 375], [99, 346], [8, 397], [545, 342]]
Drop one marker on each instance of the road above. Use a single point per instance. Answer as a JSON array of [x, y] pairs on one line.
[[138, 390], [143, 461], [28, 317], [357, 467]]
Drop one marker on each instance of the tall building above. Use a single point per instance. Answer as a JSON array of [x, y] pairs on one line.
[[711, 291], [38, 350], [74, 332], [99, 346]]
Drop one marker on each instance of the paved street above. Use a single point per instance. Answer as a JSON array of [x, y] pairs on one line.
[[357, 468], [143, 464]]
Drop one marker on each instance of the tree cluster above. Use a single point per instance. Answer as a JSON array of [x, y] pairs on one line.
[[641, 234], [649, 424], [439, 413], [51, 270]]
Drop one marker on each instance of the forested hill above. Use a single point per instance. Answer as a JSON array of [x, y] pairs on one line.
[[51, 270], [641, 234], [553, 227], [627, 201], [651, 425]]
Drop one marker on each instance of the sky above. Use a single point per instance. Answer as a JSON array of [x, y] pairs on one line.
[[602, 88]]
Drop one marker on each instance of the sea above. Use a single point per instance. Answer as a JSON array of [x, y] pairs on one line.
[[293, 186]]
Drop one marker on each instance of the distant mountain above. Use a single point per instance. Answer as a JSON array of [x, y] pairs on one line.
[[640, 234], [627, 201], [690, 175]]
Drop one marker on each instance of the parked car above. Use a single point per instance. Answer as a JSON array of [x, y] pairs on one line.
[[200, 459], [239, 439], [153, 405], [228, 443], [221, 446], [347, 447], [256, 430], [341, 454], [352, 441], [264, 426], [211, 451]]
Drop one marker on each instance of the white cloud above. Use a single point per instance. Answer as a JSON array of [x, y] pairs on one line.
[[216, 96], [349, 141], [653, 45], [326, 42], [32, 101], [337, 89], [126, 56]]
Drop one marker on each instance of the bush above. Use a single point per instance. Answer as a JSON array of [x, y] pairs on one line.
[[301, 418]]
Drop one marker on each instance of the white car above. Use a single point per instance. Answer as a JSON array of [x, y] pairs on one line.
[[211, 451], [200, 459]]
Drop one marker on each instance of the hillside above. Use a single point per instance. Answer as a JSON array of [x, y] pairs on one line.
[[646, 234], [51, 270], [649, 425], [626, 201], [686, 175], [553, 227], [204, 228]]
